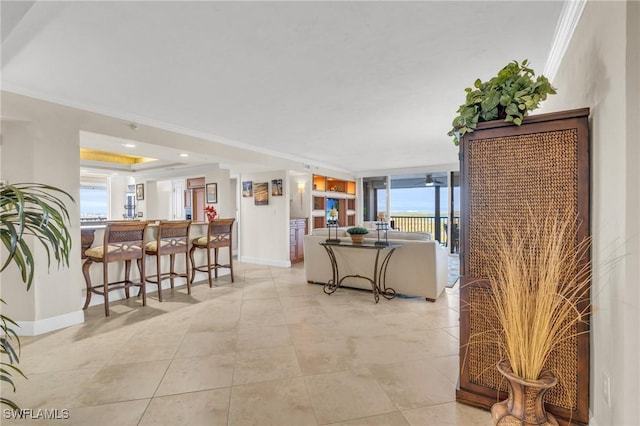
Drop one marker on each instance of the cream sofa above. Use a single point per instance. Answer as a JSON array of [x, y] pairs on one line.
[[419, 267]]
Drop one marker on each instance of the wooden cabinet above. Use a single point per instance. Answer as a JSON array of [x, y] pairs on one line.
[[195, 183], [505, 170], [297, 231], [318, 203], [197, 211], [335, 193]]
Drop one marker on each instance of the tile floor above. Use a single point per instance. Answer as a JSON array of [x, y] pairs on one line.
[[269, 349]]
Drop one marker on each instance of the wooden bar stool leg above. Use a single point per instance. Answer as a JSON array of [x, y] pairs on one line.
[[87, 280], [186, 262], [209, 266], [143, 287], [159, 276], [216, 261], [193, 263], [127, 274], [105, 286], [231, 262], [172, 258]]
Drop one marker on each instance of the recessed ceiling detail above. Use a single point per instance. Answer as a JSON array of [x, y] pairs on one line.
[[111, 157]]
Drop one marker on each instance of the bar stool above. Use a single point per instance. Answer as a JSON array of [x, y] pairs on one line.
[[123, 242], [218, 235], [172, 238]]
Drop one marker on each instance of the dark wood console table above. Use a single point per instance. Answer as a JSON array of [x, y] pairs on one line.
[[377, 280]]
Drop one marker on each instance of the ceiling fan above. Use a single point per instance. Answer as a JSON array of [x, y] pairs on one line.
[[430, 181]]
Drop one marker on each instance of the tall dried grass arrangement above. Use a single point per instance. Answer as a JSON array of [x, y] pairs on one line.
[[540, 281]]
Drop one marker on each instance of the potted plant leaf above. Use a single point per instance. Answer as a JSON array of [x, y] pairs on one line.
[[36, 210], [510, 96], [357, 234]]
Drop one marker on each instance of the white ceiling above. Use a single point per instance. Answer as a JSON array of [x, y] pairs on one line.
[[357, 85]]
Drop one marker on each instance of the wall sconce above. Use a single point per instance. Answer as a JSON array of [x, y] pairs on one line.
[[301, 186]]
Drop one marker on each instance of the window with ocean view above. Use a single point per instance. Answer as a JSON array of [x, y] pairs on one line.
[[418, 203], [94, 199]]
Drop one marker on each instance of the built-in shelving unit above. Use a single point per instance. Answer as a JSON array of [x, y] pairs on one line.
[[335, 193]]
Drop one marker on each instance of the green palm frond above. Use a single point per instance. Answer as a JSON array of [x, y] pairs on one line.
[[36, 211], [32, 209]]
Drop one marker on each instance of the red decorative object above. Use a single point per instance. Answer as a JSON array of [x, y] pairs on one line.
[[211, 212]]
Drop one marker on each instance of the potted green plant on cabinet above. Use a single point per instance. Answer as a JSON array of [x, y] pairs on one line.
[[510, 95], [29, 210]]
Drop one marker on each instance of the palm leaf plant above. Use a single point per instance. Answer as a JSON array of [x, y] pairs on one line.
[[29, 212]]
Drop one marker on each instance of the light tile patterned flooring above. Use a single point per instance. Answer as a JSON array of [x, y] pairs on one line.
[[269, 349]]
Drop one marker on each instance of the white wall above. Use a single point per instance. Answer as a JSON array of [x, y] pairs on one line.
[[264, 230], [118, 186], [226, 199], [164, 201], [601, 70], [233, 203], [43, 146], [299, 200]]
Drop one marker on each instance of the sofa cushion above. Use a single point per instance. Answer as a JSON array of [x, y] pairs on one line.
[[399, 235], [324, 232]]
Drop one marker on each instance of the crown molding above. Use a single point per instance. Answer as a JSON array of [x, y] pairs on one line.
[[146, 121], [569, 18]]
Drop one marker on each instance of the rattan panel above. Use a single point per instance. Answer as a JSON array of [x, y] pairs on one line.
[[485, 352], [175, 232], [509, 175]]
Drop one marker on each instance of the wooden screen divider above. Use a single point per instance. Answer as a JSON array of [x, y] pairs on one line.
[[506, 170]]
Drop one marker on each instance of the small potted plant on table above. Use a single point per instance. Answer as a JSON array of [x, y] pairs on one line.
[[357, 234]]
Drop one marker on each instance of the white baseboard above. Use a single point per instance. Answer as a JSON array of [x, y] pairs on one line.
[[269, 262], [34, 328]]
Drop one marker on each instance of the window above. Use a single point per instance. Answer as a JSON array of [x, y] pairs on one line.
[[94, 200]]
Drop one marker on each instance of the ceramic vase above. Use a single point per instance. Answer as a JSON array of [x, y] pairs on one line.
[[525, 404], [357, 238]]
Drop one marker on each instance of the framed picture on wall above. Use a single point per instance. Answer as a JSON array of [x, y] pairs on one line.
[[247, 188], [140, 191], [212, 193], [276, 187], [261, 193]]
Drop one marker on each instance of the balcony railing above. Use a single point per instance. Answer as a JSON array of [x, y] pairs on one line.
[[428, 224]]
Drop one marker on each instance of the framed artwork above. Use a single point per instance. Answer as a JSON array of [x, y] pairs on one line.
[[276, 187], [261, 193], [140, 191], [247, 188], [212, 193]]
